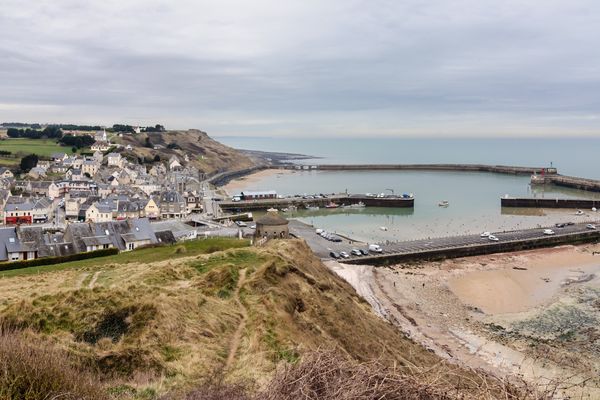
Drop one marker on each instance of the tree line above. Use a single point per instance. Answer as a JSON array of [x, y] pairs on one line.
[[50, 132], [77, 141]]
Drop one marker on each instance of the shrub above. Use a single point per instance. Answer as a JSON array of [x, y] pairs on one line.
[[32, 370]]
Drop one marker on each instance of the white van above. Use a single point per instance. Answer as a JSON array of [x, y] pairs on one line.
[[375, 248]]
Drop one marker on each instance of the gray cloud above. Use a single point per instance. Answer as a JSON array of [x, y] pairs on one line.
[[270, 67]]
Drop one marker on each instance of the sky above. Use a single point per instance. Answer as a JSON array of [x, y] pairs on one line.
[[482, 68]]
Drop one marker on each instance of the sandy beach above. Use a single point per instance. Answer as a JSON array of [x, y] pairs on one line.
[[246, 182], [498, 312]]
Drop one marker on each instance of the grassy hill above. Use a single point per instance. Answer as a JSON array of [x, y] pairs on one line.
[[147, 328], [204, 152]]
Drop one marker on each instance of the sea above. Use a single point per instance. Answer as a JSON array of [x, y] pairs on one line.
[[474, 198]]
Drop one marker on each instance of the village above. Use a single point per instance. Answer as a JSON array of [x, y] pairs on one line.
[[74, 203]]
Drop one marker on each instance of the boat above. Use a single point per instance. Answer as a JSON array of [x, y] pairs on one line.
[[579, 212], [383, 228], [331, 205], [444, 203], [360, 204]]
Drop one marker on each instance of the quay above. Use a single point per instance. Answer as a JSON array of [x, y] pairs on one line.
[[340, 199], [447, 247], [531, 202]]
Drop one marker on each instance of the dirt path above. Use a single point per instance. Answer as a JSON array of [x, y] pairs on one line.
[[237, 336], [94, 279], [81, 279]]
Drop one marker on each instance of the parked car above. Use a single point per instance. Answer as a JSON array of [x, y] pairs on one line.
[[364, 252], [569, 223], [548, 232], [485, 234], [590, 226], [319, 231], [333, 254], [493, 238], [561, 225], [355, 252], [344, 254], [375, 248]]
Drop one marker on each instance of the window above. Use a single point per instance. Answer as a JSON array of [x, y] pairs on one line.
[[131, 246]]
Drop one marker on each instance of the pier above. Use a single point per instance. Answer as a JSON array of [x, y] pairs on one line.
[[447, 247], [340, 199], [531, 202]]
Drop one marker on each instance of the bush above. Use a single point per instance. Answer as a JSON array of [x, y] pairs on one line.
[[32, 370], [6, 266]]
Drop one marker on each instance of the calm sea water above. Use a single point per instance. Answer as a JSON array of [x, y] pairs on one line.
[[579, 157], [474, 197]]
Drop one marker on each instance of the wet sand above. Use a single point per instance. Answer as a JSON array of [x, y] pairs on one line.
[[449, 307], [510, 290]]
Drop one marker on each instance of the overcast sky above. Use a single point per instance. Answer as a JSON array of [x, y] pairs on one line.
[[306, 67]]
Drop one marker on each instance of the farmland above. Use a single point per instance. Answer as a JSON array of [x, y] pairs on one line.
[[41, 147]]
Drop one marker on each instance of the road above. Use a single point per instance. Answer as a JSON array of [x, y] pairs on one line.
[[322, 247]]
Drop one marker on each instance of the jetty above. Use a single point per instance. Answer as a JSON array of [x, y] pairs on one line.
[[533, 202], [299, 202]]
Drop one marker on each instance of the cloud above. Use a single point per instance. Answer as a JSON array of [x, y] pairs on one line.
[[306, 67]]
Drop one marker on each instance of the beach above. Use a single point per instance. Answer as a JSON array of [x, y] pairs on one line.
[[520, 313], [253, 181]]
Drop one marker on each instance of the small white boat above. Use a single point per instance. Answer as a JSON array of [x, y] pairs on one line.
[[360, 204], [594, 209], [383, 228], [579, 212], [444, 203]]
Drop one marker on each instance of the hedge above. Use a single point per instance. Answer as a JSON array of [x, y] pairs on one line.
[[36, 262]]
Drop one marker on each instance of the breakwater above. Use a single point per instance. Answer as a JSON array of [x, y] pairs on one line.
[[498, 169], [548, 203], [341, 199], [590, 185]]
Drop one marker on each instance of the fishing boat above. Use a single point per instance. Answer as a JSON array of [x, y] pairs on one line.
[[331, 205], [383, 228], [444, 203], [360, 204]]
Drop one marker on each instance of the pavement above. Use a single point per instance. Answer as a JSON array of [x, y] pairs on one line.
[[322, 247]]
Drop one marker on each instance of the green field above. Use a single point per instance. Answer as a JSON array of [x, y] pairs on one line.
[[142, 255], [41, 147]]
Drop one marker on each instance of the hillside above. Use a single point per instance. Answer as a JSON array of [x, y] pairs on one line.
[[165, 326], [208, 155]]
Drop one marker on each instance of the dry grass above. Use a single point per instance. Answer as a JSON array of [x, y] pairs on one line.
[[32, 370], [172, 322]]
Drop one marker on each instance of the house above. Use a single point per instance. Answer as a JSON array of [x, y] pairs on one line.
[[6, 173], [42, 209], [151, 209], [44, 164], [98, 157], [269, 194], [98, 213], [18, 213], [11, 247], [174, 164], [114, 159], [194, 203], [101, 146], [172, 205], [90, 167], [59, 157], [85, 238], [158, 170], [75, 174], [37, 172]]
